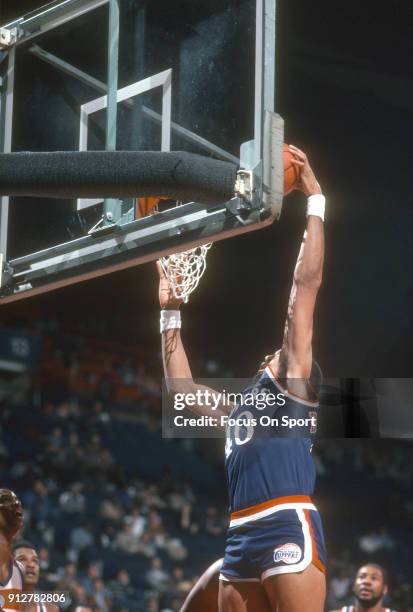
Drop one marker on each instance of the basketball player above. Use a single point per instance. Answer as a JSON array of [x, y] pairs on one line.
[[369, 588], [274, 557], [11, 573], [25, 553], [204, 594]]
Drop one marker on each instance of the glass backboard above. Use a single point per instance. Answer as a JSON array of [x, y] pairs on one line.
[[130, 75]]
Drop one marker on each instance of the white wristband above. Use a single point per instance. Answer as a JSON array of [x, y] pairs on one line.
[[170, 319], [316, 205]]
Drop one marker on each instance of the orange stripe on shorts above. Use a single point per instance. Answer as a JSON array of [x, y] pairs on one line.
[[316, 560]]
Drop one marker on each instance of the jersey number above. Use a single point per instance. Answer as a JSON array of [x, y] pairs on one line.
[[244, 424]]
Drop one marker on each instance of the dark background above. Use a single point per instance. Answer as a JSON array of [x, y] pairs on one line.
[[344, 88]]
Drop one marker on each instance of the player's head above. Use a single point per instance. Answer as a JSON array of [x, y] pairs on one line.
[[11, 513], [274, 360], [279, 367], [370, 584], [26, 553]]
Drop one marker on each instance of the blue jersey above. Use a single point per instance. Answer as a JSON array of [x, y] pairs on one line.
[[268, 448]]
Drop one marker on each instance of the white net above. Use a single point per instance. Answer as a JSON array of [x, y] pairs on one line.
[[184, 270]]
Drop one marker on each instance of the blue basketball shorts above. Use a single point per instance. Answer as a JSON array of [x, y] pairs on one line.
[[281, 536]]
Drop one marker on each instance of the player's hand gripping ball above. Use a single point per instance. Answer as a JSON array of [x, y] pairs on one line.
[[291, 171], [306, 182]]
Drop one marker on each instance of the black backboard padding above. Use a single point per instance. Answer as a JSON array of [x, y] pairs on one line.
[[88, 174]]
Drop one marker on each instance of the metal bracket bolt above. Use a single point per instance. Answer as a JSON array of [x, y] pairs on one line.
[[9, 37], [244, 185]]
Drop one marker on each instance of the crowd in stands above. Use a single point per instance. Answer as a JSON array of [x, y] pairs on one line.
[[112, 536], [124, 520]]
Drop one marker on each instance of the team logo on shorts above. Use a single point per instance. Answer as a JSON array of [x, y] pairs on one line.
[[2, 602], [288, 553]]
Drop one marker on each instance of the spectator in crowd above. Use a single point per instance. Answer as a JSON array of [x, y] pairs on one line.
[[123, 593], [55, 441], [175, 549], [340, 586], [81, 597], [111, 509], [73, 500], [68, 579], [213, 525], [101, 595], [146, 545], [38, 503], [157, 577], [44, 558], [93, 572], [126, 540], [81, 537], [374, 541], [137, 522]]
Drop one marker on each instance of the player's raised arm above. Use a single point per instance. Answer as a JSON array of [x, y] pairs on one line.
[[296, 354], [175, 361], [176, 366]]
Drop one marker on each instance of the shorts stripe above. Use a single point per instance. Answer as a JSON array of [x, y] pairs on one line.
[[316, 560], [293, 502], [225, 579]]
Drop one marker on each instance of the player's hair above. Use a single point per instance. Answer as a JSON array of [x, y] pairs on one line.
[[378, 567], [6, 492], [316, 375], [23, 544]]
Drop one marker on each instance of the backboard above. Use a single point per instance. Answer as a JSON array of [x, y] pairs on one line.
[[134, 75]]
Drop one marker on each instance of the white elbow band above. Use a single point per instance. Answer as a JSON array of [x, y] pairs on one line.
[[316, 205], [170, 319]]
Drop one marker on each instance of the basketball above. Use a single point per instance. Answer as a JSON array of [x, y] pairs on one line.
[[291, 172]]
